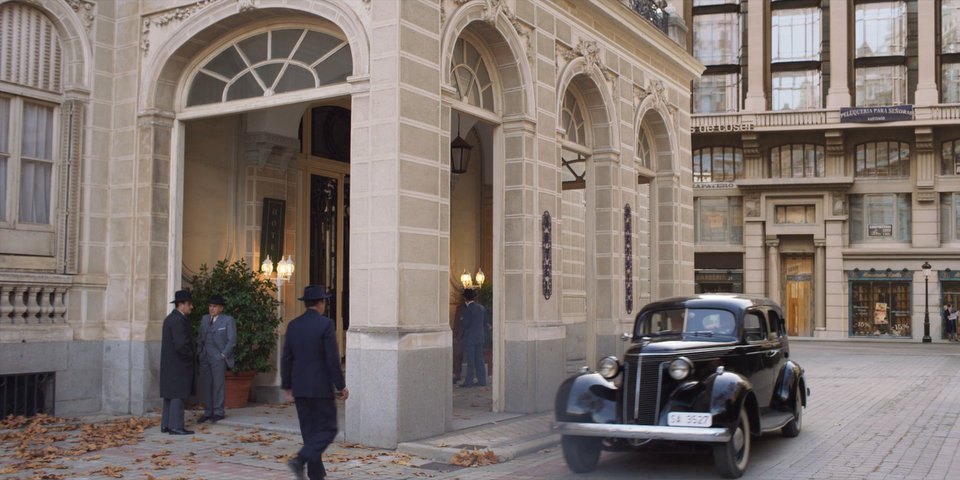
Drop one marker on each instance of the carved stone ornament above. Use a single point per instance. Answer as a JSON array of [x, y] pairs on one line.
[[270, 150], [492, 9], [246, 5], [924, 140], [166, 17], [587, 49], [85, 10], [751, 204], [639, 94]]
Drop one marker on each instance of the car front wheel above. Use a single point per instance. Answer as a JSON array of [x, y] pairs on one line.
[[731, 458], [581, 453], [792, 428]]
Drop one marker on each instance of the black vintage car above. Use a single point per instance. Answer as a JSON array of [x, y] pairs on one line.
[[706, 368]]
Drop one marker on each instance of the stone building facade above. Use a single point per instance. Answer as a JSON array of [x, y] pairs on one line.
[[825, 163], [145, 138]]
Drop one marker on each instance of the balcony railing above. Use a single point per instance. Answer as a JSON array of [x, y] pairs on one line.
[[746, 121], [652, 10]]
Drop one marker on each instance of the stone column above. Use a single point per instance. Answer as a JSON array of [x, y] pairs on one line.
[[836, 153], [773, 269], [820, 284], [927, 93], [399, 343], [926, 217], [838, 95], [757, 55]]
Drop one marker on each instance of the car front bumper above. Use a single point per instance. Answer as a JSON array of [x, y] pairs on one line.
[[645, 432]]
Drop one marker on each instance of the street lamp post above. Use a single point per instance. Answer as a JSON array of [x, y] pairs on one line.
[[926, 301], [285, 268]]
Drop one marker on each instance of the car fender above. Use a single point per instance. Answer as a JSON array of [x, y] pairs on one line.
[[789, 377], [729, 392], [586, 398]]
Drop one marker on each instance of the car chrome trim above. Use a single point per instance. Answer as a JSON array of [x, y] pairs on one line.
[[663, 367], [625, 383], [647, 432], [636, 386]]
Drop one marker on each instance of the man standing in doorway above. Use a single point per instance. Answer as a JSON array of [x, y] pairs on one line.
[[474, 332], [176, 364], [310, 372], [218, 336]]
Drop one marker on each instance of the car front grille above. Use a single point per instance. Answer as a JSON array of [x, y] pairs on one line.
[[644, 378]]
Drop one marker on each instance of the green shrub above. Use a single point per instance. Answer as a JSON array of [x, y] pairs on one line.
[[251, 300]]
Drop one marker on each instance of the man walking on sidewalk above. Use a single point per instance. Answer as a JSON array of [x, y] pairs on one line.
[[310, 371], [176, 364], [474, 332], [218, 336]]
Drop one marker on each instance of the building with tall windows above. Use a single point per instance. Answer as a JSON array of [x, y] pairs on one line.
[[384, 147], [825, 160]]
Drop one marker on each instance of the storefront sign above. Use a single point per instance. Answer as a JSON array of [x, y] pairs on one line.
[[880, 313], [730, 127], [271, 230], [713, 186], [951, 275], [877, 230], [874, 274], [876, 114]]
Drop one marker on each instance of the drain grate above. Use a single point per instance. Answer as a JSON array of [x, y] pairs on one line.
[[26, 394], [440, 467], [470, 446]]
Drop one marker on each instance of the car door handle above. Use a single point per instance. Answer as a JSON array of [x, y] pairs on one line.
[[773, 353]]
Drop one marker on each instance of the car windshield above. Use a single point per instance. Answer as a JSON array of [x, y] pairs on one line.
[[701, 323]]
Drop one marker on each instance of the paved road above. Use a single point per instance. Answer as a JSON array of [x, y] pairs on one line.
[[876, 411]]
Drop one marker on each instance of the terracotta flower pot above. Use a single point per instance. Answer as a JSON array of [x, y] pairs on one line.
[[238, 389]]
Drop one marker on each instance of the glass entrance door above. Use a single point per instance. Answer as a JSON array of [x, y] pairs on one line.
[[330, 246], [798, 294]]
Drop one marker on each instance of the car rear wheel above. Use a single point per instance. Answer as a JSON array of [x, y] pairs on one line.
[[581, 453], [792, 428], [731, 458]]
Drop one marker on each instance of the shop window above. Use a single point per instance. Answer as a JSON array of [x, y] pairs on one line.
[[949, 293], [268, 63], [719, 220], [797, 161], [950, 158], [717, 93], [717, 164], [880, 304], [471, 78], [883, 217], [883, 159], [949, 217], [795, 215]]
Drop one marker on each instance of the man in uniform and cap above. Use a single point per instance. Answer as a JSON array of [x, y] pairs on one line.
[[176, 364], [218, 336], [472, 336], [310, 373]]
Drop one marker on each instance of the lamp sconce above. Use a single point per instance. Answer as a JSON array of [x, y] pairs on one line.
[[469, 281], [459, 153], [285, 268]]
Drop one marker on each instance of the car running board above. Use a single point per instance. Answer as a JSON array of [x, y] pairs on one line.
[[775, 421]]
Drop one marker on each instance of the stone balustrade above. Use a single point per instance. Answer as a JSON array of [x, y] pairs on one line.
[[791, 118], [26, 304]]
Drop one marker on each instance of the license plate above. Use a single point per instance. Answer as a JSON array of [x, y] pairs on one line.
[[689, 419]]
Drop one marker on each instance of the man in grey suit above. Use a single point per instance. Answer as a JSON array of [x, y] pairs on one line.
[[218, 336]]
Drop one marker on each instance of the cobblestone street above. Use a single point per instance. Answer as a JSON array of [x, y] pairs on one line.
[[877, 411]]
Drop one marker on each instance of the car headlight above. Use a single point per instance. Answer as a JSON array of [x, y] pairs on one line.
[[681, 368], [608, 367]]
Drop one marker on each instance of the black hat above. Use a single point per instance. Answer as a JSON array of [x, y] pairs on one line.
[[182, 296], [315, 292], [469, 293], [216, 300]]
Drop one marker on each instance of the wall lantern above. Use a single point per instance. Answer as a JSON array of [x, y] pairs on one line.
[[459, 153], [480, 278], [468, 281], [266, 267], [465, 280]]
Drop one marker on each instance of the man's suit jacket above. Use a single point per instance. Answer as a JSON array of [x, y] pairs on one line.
[[474, 324], [310, 364], [176, 357], [224, 336]]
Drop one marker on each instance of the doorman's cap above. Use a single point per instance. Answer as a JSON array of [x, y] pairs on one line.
[[315, 292]]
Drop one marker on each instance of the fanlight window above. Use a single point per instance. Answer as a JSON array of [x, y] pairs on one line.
[[572, 120], [471, 77], [269, 63], [644, 152]]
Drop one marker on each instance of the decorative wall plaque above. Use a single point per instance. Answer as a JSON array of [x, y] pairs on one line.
[[271, 229], [546, 227], [628, 257]]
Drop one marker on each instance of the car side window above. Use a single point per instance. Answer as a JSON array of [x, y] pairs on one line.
[[754, 327], [777, 328]]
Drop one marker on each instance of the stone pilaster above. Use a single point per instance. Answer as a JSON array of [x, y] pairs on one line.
[[838, 94], [757, 59], [773, 269], [819, 284], [926, 218], [927, 93]]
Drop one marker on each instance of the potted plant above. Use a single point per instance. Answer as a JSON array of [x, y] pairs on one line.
[[251, 300]]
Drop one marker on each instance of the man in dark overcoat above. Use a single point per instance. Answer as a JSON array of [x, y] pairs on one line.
[[310, 373], [472, 337], [176, 364], [218, 337]]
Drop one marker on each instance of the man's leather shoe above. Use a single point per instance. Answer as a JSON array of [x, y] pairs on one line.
[[216, 418], [204, 418], [180, 431], [296, 466], [164, 429]]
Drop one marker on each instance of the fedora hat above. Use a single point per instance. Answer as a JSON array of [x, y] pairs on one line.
[[315, 292], [216, 300], [182, 296]]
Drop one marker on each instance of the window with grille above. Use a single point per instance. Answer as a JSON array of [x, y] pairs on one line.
[[883, 159], [269, 63]]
